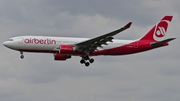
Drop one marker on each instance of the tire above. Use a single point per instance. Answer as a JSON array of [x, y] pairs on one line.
[[22, 56], [91, 60], [82, 61], [87, 64]]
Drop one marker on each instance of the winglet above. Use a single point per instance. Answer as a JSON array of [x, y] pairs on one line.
[[128, 25]]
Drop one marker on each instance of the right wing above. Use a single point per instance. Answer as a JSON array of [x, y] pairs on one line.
[[92, 44]]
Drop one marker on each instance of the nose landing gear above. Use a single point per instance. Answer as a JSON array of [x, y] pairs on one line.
[[22, 56]]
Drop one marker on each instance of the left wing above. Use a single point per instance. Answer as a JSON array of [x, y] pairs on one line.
[[92, 44]]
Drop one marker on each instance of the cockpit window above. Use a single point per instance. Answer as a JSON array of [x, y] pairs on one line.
[[10, 40]]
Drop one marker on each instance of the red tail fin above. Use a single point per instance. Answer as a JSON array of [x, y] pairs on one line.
[[159, 30]]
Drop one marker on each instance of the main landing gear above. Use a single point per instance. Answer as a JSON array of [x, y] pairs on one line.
[[86, 60], [22, 56]]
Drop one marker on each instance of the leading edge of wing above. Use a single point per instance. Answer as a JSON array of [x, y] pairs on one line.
[[93, 40]]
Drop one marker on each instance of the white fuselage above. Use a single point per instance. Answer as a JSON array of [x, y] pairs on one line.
[[45, 43]]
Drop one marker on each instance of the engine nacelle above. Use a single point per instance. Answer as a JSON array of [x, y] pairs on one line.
[[61, 57], [66, 49]]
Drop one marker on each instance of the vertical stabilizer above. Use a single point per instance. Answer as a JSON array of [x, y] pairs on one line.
[[159, 30]]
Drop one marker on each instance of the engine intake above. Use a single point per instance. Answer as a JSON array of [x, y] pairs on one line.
[[61, 57]]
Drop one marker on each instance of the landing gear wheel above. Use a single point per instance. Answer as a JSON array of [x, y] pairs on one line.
[[87, 64], [86, 60], [22, 56], [91, 60], [82, 61]]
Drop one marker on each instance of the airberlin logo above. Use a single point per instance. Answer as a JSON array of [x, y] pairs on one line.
[[161, 29], [39, 41], [160, 32]]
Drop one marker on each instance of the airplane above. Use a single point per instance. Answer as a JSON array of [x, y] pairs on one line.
[[65, 47]]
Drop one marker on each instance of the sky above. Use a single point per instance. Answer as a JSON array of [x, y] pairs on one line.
[[148, 76]]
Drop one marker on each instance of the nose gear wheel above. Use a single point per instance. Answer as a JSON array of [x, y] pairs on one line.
[[22, 56]]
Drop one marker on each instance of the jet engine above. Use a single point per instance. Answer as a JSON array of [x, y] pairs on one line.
[[66, 49], [61, 56]]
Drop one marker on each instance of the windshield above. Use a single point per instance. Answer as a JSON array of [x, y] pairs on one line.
[[10, 40]]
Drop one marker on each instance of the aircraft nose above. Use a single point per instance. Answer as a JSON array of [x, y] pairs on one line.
[[10, 44], [5, 43]]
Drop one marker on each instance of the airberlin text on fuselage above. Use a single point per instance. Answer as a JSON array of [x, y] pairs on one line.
[[39, 41]]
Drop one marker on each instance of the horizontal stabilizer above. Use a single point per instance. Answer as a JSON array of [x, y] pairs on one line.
[[160, 43]]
